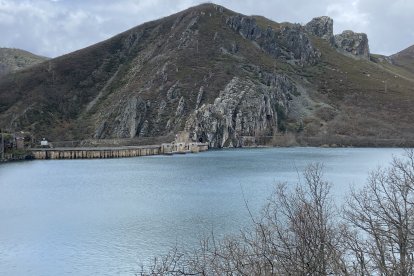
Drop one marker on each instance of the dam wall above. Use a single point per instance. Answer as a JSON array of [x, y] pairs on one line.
[[116, 152]]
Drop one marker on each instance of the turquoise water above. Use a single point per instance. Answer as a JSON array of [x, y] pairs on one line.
[[107, 217]]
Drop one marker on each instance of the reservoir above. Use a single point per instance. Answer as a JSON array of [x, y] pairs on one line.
[[109, 216]]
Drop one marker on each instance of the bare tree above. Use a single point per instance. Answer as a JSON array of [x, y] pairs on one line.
[[301, 228], [297, 234], [300, 232], [381, 221]]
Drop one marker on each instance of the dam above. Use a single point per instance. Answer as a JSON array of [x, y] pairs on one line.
[[117, 152]]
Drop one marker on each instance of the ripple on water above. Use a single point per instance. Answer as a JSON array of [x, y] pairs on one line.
[[106, 217]]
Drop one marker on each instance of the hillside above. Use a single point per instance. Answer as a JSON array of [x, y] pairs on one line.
[[226, 78], [12, 60], [405, 59]]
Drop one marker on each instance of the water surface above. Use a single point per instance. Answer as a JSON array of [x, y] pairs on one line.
[[107, 217]]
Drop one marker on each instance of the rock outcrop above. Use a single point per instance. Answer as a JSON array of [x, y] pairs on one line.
[[353, 43], [321, 27], [243, 109], [129, 123], [290, 42], [348, 42]]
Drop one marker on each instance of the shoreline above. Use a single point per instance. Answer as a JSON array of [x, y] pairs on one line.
[[148, 150]]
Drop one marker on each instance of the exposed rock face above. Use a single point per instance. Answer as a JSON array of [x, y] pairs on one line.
[[322, 27], [290, 42], [243, 108], [355, 44], [129, 123]]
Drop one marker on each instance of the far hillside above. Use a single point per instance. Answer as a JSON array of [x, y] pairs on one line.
[[405, 59], [12, 60]]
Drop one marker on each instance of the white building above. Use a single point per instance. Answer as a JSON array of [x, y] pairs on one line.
[[44, 143]]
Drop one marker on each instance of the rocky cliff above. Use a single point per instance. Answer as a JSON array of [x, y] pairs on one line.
[[290, 42], [352, 43], [224, 77], [322, 27], [243, 109]]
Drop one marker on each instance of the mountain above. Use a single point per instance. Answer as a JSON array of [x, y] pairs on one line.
[[223, 77], [405, 59], [12, 60]]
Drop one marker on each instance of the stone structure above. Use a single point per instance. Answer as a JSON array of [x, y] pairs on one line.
[[167, 148]]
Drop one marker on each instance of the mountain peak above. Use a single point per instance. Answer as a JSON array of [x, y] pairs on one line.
[[322, 27], [223, 77]]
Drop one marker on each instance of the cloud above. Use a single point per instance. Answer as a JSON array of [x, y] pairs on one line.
[[46, 28], [348, 16], [390, 28], [55, 27]]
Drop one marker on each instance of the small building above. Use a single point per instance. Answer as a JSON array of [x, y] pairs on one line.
[[44, 143], [19, 142]]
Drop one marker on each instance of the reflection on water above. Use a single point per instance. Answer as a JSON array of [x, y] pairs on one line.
[[106, 217]]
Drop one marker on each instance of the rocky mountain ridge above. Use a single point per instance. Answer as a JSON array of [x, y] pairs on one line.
[[348, 42], [225, 78]]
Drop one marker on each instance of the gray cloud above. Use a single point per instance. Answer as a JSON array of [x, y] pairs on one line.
[[56, 27]]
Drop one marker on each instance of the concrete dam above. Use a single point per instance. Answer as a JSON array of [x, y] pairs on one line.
[[117, 152]]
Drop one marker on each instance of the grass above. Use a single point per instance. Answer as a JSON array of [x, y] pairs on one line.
[[370, 94]]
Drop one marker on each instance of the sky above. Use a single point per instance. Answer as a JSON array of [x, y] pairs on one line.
[[55, 27]]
